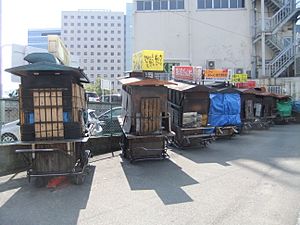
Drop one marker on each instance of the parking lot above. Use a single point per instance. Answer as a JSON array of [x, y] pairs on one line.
[[250, 179]]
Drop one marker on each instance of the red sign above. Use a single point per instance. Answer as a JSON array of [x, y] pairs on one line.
[[190, 74]]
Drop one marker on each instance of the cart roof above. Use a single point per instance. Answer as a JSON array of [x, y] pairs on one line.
[[48, 68], [184, 87], [140, 81]]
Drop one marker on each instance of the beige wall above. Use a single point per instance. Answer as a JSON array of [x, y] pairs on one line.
[[221, 35]]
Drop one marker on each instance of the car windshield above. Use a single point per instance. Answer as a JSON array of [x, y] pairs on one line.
[[93, 95]]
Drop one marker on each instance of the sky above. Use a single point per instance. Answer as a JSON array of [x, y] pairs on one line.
[[20, 15]]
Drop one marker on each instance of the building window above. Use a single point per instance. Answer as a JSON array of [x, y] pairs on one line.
[[98, 60], [98, 53], [65, 17], [112, 76], [92, 17], [78, 17], [98, 68], [85, 60], [79, 24], [217, 4], [139, 5], [156, 5]]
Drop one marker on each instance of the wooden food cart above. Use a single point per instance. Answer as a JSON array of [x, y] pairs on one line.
[[189, 106], [145, 120], [52, 109]]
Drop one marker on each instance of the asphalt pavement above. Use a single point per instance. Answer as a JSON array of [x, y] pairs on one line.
[[252, 179]]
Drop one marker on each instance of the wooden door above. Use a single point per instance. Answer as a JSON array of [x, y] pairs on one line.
[[150, 115]]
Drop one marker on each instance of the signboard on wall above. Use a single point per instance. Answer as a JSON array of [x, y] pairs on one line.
[[191, 74], [148, 60], [168, 67], [216, 74], [239, 78]]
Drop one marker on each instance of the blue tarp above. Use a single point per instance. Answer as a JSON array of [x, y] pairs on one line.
[[225, 109], [296, 106]]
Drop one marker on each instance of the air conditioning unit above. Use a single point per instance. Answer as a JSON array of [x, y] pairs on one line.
[[238, 71], [210, 64]]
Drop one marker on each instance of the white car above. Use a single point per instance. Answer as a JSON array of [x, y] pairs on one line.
[[92, 97], [10, 132]]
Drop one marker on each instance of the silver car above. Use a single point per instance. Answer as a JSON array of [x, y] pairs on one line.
[[10, 132]]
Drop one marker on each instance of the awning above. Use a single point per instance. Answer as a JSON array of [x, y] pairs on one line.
[[48, 68]]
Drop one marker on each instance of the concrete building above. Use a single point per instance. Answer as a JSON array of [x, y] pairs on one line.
[[129, 35], [38, 38], [96, 38], [236, 34], [14, 56]]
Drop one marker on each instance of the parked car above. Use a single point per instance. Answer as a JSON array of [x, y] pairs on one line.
[[10, 132], [115, 98], [92, 97], [109, 120]]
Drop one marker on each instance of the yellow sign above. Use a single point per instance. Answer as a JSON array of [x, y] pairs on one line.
[[148, 60], [216, 74], [237, 78], [58, 49]]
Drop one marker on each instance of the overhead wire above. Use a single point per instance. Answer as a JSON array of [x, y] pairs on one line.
[[211, 25]]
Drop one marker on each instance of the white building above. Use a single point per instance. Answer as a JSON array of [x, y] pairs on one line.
[[96, 38], [14, 56], [219, 33]]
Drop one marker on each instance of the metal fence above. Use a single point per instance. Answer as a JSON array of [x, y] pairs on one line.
[[104, 114]]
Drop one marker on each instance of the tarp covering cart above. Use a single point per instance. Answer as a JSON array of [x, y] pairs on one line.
[[224, 111]]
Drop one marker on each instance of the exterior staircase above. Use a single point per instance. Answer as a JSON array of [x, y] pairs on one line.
[[285, 11], [281, 62]]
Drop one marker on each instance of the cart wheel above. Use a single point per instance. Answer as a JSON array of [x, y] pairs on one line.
[[40, 182], [79, 179]]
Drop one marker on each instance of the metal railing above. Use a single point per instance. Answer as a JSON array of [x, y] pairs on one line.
[[277, 65]]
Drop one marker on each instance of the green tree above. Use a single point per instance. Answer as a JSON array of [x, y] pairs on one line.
[[95, 87]]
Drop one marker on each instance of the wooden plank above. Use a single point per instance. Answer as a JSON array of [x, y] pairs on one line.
[[43, 130], [47, 98], [48, 115], [59, 98], [53, 98], [49, 130], [36, 99], [60, 114], [42, 115], [37, 116], [151, 103], [158, 114], [55, 129], [37, 128], [42, 98], [54, 114], [60, 130]]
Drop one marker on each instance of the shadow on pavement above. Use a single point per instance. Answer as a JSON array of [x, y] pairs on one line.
[[164, 177], [44, 206], [266, 146]]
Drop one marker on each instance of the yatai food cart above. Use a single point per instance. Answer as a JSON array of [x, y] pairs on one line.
[[189, 107], [52, 109]]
